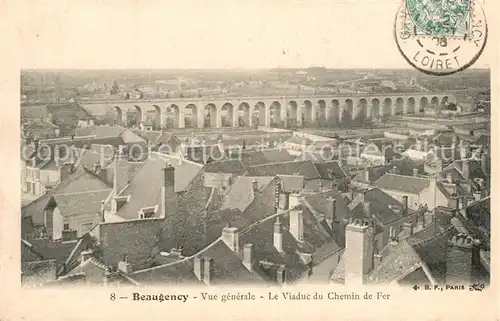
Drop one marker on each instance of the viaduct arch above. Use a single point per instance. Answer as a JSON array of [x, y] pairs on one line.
[[267, 111]]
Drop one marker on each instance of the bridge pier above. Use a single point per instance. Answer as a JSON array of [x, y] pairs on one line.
[[124, 120], [181, 122], [163, 120], [200, 118]]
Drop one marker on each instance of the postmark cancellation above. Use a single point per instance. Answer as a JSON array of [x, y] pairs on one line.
[[441, 37]]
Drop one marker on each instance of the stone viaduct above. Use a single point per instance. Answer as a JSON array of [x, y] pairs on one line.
[[265, 111]]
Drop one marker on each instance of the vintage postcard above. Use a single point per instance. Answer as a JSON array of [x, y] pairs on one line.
[[249, 160]]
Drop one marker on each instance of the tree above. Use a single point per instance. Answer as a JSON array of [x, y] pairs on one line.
[[114, 89]]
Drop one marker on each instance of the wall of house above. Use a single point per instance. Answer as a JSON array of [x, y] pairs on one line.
[[313, 185], [372, 160], [49, 176], [321, 271], [23, 176], [359, 184], [43, 275], [217, 180], [427, 197], [413, 199], [81, 223], [190, 222], [57, 224]]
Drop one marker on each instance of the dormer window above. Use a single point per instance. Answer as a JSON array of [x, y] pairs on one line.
[[147, 212]]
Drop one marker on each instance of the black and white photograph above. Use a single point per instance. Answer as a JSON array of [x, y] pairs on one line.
[[256, 144]]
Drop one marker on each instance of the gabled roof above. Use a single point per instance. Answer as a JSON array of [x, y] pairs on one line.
[[100, 131], [88, 158], [407, 184], [304, 141], [374, 173], [241, 193], [261, 234], [204, 154], [80, 181], [383, 206], [139, 240], [331, 170], [399, 262], [322, 204], [81, 203], [232, 166], [475, 170], [145, 191], [302, 168], [261, 156]]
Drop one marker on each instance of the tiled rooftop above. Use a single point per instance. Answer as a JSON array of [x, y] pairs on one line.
[[408, 184]]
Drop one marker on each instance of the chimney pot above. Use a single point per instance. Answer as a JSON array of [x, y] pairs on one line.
[[297, 225], [405, 205], [208, 270], [281, 275], [254, 186], [199, 265], [124, 266], [248, 256], [278, 236], [230, 237], [408, 228]]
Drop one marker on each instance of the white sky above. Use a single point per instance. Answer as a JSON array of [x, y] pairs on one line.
[[210, 34]]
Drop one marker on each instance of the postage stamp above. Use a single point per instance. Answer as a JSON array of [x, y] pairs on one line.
[[441, 37]]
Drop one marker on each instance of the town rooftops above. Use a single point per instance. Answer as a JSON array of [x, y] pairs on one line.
[[80, 181], [232, 166], [261, 156], [331, 170], [302, 168], [407, 184], [241, 193], [81, 203], [145, 191], [382, 206]]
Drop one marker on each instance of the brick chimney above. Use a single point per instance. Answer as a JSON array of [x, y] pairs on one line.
[[208, 270], [278, 235], [358, 251], [415, 172], [255, 187], [248, 256], [408, 229], [281, 275], [230, 237], [277, 193], [65, 170], [405, 205], [367, 175], [198, 267], [368, 208], [286, 204], [124, 266], [462, 260], [121, 167], [394, 170], [484, 162], [102, 212], [168, 194], [297, 225]]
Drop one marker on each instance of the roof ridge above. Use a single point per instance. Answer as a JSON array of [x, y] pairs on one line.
[[185, 259], [245, 230], [84, 192]]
